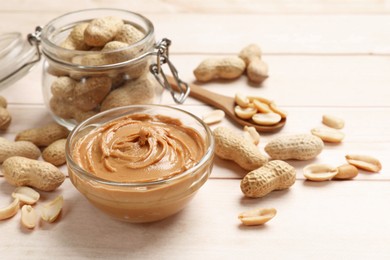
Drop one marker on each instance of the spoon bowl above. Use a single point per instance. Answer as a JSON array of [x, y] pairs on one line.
[[226, 104]]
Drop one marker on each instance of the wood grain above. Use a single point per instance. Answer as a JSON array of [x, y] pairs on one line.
[[324, 57]]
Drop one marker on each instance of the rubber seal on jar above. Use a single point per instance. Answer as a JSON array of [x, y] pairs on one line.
[[17, 57]]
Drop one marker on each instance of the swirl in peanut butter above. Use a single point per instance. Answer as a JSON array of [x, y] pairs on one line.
[[139, 148]]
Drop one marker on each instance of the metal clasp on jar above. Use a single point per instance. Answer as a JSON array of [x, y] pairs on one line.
[[162, 52]]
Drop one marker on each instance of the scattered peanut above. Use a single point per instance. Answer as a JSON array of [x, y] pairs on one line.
[[26, 195], [333, 121], [259, 98], [266, 118], [256, 69], [345, 172], [277, 110], [364, 162], [19, 148], [245, 113], [52, 210], [241, 100], [219, 68], [257, 216], [251, 134], [274, 175], [10, 210], [261, 106], [230, 145], [55, 152], [319, 172], [298, 147], [29, 217], [328, 134], [102, 30], [21, 171], [213, 117], [43, 136]]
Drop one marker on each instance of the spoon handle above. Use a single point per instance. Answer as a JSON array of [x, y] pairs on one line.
[[208, 97]]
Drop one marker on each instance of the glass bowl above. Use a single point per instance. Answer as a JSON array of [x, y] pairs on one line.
[[155, 195]]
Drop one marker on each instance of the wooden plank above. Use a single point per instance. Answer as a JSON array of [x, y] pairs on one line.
[[315, 81], [312, 218], [356, 81], [216, 6], [276, 34]]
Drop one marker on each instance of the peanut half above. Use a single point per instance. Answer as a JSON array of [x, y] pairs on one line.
[[26, 195], [346, 172], [266, 118], [364, 162], [245, 113], [10, 210], [333, 121], [241, 100], [213, 117], [52, 210], [319, 172], [251, 134], [328, 134], [257, 216], [29, 217]]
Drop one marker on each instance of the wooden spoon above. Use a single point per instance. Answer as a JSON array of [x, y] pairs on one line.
[[227, 105]]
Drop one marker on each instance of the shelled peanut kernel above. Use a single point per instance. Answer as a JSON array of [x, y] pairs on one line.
[[258, 110]]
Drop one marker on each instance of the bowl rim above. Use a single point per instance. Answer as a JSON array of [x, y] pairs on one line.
[[74, 167]]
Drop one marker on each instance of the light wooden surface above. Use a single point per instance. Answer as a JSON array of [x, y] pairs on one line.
[[324, 57]]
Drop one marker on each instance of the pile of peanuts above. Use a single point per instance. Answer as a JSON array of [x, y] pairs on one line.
[[77, 94], [22, 168]]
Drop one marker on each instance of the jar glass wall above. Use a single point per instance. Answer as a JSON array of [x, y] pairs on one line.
[[80, 80]]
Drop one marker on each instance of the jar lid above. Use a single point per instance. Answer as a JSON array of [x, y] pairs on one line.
[[16, 58]]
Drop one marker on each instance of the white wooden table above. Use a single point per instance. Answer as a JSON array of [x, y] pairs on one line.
[[324, 57]]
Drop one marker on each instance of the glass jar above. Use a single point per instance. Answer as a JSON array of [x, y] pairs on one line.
[[81, 79]]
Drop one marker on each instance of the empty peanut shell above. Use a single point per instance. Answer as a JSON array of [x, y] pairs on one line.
[[319, 172], [364, 162], [26, 195]]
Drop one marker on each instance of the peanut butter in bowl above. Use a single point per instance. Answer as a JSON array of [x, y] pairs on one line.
[[140, 163]]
